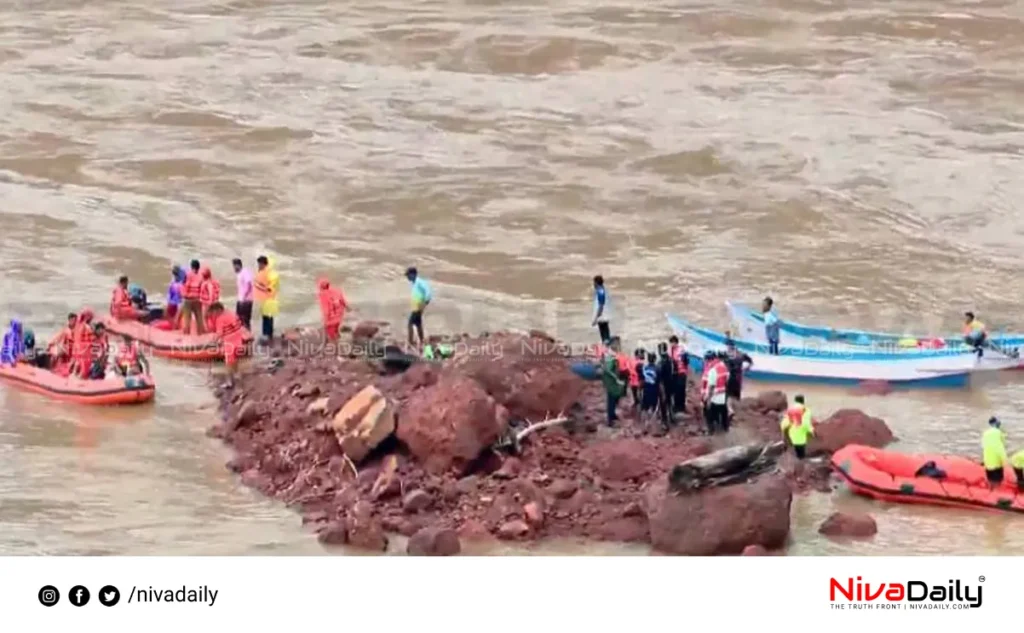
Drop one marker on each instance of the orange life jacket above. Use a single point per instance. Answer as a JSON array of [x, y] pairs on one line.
[[721, 375], [678, 354], [128, 355], [795, 415], [192, 287], [209, 291], [332, 305], [121, 304], [229, 328]]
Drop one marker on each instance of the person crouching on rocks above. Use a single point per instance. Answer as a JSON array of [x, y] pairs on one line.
[[232, 335], [798, 426], [614, 386]]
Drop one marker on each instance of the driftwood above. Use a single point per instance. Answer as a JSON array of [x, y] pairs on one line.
[[514, 436], [724, 467]]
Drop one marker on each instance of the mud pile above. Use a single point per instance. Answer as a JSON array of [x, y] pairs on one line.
[[425, 435]]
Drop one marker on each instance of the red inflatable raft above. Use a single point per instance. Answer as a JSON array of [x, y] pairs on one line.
[[166, 342], [111, 390], [891, 476]]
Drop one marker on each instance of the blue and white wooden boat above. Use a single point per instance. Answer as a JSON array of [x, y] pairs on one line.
[[748, 323], [841, 366]]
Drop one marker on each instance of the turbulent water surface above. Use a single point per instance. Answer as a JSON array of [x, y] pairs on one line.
[[860, 161]]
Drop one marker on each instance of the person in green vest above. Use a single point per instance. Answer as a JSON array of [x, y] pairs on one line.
[[798, 426], [1017, 461], [993, 452], [614, 385], [439, 352]]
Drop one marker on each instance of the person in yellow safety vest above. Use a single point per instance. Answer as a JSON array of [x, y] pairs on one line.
[[797, 426], [1017, 461], [993, 452], [974, 332]]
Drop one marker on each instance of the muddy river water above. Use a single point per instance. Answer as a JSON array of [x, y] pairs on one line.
[[860, 161]]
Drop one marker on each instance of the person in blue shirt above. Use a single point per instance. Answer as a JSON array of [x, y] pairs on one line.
[[420, 300], [13, 344], [602, 310], [651, 389], [771, 325]]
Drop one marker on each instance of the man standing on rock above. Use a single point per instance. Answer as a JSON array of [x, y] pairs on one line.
[[243, 302], [797, 426], [716, 412], [614, 386], [602, 310], [420, 300]]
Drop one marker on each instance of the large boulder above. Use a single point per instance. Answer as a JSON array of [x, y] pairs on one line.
[[363, 423], [434, 541], [447, 425], [848, 426], [722, 520], [841, 524]]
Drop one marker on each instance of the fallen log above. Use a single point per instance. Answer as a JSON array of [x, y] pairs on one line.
[[513, 438], [726, 466]]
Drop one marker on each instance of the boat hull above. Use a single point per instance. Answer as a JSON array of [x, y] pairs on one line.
[[109, 391]]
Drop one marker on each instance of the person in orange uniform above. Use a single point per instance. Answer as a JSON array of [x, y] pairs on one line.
[[332, 308], [630, 368], [130, 361], [100, 352], [121, 302], [191, 307], [81, 345], [233, 337], [209, 293], [60, 346]]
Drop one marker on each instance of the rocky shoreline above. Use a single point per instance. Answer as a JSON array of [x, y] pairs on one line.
[[419, 454]]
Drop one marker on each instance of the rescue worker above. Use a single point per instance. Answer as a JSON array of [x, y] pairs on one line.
[[82, 344], [667, 381], [13, 344], [420, 299], [771, 325], [233, 337], [602, 310], [130, 361], [209, 293], [1017, 461], [633, 371], [121, 306], [797, 426], [266, 287], [738, 362], [59, 348], [614, 386], [975, 333], [191, 306], [332, 308], [678, 354], [100, 352], [713, 395], [993, 452]]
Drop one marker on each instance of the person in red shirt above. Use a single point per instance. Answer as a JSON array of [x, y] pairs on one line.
[[81, 345], [209, 293], [233, 337], [332, 308], [121, 303], [100, 352], [130, 361], [191, 306], [60, 347]]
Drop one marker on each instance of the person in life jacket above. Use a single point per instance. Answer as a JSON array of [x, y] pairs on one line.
[[633, 370], [59, 347], [209, 293], [716, 412], [82, 344], [130, 361], [332, 308], [191, 305], [993, 452], [121, 306], [614, 386], [232, 335], [797, 426], [99, 352], [1017, 462], [678, 354]]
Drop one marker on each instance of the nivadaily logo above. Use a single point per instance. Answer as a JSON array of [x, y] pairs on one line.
[[913, 594]]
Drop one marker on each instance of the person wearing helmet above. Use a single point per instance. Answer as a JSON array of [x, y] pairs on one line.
[[993, 452]]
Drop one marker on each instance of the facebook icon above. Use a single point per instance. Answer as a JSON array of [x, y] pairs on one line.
[[79, 596]]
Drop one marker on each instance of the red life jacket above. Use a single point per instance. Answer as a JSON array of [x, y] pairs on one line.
[[128, 355], [192, 286], [209, 291], [721, 375], [795, 415], [121, 304], [678, 354], [229, 328]]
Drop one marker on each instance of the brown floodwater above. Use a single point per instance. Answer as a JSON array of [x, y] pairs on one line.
[[859, 161]]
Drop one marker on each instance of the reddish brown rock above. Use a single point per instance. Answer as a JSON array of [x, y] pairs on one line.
[[510, 469], [474, 531], [534, 513], [754, 550], [387, 484], [446, 426], [513, 530], [363, 530], [721, 520], [848, 426], [363, 423], [768, 402], [563, 488], [841, 524], [249, 412], [416, 501], [333, 534], [434, 541], [365, 330]]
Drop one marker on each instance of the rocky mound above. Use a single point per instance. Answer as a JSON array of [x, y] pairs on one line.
[[363, 449]]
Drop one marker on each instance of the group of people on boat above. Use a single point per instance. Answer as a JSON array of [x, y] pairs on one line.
[[81, 349]]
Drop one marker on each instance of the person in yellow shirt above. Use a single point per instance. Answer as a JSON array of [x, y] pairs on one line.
[[993, 452], [797, 426], [975, 333], [1017, 461], [266, 285]]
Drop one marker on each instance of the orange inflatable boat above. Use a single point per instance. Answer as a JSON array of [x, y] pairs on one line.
[[166, 342], [111, 390], [891, 476]]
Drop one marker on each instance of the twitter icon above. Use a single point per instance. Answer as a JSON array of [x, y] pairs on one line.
[[109, 596]]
